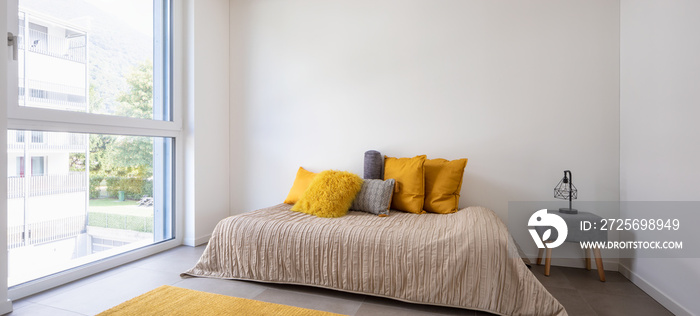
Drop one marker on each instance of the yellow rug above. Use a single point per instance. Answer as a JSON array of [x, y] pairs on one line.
[[170, 300]]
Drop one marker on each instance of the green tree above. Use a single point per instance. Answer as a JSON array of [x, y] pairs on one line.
[[126, 156], [97, 103], [130, 156], [98, 149], [76, 162], [138, 100]]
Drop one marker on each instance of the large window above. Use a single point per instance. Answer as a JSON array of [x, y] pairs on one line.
[[92, 132]]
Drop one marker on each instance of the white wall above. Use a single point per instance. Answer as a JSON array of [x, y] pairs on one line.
[[207, 118], [56, 163], [659, 132], [238, 78], [524, 90]]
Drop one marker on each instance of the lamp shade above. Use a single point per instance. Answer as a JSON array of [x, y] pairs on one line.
[[566, 190]]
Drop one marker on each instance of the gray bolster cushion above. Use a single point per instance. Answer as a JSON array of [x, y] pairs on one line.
[[374, 165]]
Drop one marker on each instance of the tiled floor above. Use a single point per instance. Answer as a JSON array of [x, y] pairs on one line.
[[577, 289], [582, 293]]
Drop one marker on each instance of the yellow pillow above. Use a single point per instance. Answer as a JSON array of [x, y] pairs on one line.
[[301, 182], [409, 192], [330, 194], [443, 183]]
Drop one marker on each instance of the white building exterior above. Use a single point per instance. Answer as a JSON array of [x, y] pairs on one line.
[[47, 43], [42, 190], [47, 202]]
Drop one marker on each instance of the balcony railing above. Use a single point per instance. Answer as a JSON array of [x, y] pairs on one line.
[[46, 231], [70, 48], [46, 141], [46, 185], [52, 95]]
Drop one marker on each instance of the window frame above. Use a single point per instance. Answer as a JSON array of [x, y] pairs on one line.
[[51, 120]]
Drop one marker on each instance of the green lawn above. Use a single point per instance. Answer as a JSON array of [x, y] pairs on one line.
[[111, 202], [126, 215], [113, 206], [123, 222]]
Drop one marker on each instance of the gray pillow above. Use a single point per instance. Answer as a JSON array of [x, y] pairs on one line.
[[374, 165], [374, 197]]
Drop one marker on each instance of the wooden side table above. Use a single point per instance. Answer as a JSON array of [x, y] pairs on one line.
[[573, 222]]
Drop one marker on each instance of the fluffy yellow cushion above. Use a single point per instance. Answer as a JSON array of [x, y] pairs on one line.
[[409, 192], [301, 182], [443, 183], [330, 194]]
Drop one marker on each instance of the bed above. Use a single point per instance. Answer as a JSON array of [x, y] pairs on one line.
[[466, 259]]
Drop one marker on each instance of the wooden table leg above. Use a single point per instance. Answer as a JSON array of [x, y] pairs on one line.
[[599, 264], [539, 256], [587, 251], [548, 261]]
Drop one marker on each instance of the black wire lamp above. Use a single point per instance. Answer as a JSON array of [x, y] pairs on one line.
[[566, 190]]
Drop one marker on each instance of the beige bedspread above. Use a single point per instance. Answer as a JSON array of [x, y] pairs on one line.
[[466, 259]]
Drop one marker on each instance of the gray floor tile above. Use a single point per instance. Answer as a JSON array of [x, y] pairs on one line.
[[312, 301], [74, 285], [421, 308], [615, 283], [371, 309], [318, 291], [95, 297], [33, 309], [611, 304], [177, 260], [557, 278], [225, 287], [181, 255], [573, 302]]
